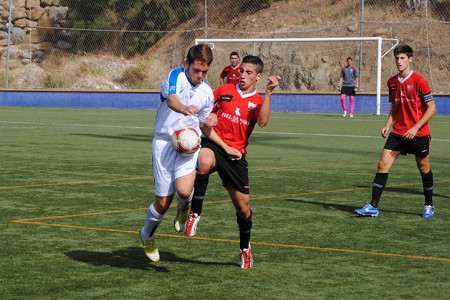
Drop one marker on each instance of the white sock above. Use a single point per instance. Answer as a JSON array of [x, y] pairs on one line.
[[183, 202], [151, 223]]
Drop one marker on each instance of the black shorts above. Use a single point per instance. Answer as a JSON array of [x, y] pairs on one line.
[[348, 90], [232, 172], [419, 146]]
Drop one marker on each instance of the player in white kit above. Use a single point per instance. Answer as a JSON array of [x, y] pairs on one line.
[[186, 101]]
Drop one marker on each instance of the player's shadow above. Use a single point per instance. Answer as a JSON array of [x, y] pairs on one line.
[[325, 205], [346, 208], [283, 142], [132, 258], [411, 191]]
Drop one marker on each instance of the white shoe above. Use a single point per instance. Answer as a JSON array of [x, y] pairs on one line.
[[246, 258], [344, 114], [190, 227], [351, 115]]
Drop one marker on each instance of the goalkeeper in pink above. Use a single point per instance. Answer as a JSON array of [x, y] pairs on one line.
[[348, 83]]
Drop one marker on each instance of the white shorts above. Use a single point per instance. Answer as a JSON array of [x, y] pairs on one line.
[[169, 165]]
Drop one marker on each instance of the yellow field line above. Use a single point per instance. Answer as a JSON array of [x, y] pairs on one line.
[[73, 182], [78, 215], [35, 221], [150, 177], [212, 202], [275, 245], [206, 202]]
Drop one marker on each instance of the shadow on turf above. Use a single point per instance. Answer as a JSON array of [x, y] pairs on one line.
[[132, 258], [346, 208], [282, 142], [416, 191]]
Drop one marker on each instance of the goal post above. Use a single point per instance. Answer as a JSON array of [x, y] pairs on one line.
[[379, 41]]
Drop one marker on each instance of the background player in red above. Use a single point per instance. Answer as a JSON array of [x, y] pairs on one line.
[[412, 107], [238, 108], [348, 83], [230, 74]]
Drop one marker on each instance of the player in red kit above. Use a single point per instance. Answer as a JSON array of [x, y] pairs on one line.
[[412, 107], [230, 74], [238, 108]]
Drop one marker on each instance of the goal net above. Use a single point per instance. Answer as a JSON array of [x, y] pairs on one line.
[[310, 67]]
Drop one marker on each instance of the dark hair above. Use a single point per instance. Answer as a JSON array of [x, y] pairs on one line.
[[234, 53], [255, 60], [349, 58], [403, 48], [201, 52]]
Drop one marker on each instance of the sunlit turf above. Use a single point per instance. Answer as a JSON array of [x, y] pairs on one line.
[[75, 185]]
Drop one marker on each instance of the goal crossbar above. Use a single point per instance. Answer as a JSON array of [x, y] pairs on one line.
[[379, 41]]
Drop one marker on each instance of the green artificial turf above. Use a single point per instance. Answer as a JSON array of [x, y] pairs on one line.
[[75, 185]]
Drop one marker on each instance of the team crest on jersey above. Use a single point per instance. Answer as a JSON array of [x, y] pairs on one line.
[[251, 105], [409, 87]]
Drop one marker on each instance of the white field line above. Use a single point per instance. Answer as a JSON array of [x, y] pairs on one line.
[[332, 135], [51, 110], [151, 128], [302, 118], [78, 125]]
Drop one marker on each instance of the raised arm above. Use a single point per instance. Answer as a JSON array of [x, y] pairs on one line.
[[264, 114]]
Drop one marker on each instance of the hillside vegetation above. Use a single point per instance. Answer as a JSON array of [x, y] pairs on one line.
[[115, 62]]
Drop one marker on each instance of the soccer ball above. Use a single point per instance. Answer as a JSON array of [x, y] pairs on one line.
[[186, 140]]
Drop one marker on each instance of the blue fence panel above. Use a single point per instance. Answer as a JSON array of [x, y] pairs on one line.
[[321, 103]]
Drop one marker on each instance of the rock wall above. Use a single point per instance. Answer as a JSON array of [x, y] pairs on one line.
[[34, 29]]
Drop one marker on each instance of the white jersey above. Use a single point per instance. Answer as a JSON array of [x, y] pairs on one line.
[[168, 120]]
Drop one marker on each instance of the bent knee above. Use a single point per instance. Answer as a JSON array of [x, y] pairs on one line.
[[184, 193], [383, 167], [206, 161], [423, 167], [244, 211]]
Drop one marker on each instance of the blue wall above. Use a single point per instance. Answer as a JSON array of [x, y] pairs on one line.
[[326, 103]]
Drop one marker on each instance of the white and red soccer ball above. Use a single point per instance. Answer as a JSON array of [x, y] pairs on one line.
[[186, 140]]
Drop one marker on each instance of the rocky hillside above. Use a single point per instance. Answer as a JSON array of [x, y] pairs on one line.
[[315, 67], [304, 67]]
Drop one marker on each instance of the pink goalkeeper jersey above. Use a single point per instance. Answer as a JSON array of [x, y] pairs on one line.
[[409, 96]]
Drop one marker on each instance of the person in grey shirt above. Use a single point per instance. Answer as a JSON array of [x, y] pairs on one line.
[[348, 83]]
